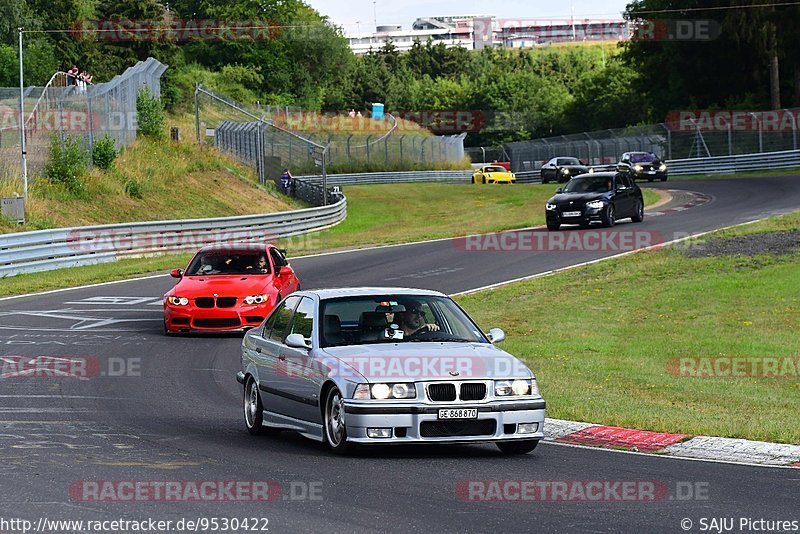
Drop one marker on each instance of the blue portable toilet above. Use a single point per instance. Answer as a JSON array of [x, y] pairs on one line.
[[377, 111]]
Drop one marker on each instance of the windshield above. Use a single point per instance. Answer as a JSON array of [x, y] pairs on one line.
[[589, 184], [222, 262], [495, 169], [395, 319], [568, 161], [642, 158]]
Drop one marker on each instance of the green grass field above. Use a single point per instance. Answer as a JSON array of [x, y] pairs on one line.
[[600, 338]]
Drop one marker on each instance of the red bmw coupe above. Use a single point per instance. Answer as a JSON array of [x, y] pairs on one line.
[[230, 287]]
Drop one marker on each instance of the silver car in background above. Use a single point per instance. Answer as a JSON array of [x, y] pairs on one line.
[[386, 366]]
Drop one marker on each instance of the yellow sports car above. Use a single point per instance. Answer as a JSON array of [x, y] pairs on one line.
[[493, 174]]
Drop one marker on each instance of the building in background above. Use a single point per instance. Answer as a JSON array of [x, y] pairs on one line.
[[474, 32]]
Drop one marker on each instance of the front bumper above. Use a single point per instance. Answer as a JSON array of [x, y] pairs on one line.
[[415, 423], [649, 175], [586, 216], [193, 319]]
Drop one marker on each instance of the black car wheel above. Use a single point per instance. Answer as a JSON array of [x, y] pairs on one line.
[[664, 178], [484, 179], [545, 179], [650, 178], [517, 447], [334, 429], [553, 226], [638, 215], [609, 216]]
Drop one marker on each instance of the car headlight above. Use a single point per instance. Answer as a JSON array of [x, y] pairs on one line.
[[637, 168], [178, 301], [405, 390], [591, 170], [534, 387], [549, 206], [662, 167], [256, 299], [564, 171], [595, 204], [508, 388]]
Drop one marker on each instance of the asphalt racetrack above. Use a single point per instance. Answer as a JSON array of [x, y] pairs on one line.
[[155, 409]]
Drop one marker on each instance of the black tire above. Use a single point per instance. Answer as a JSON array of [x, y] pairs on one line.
[[517, 447], [545, 179], [334, 431], [166, 330], [638, 214], [484, 180], [254, 410], [609, 217], [553, 226], [663, 178], [650, 178]]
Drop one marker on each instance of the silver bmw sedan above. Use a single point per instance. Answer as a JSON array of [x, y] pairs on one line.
[[363, 366]]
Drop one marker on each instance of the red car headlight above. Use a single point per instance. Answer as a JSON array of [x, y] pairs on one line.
[[178, 301]]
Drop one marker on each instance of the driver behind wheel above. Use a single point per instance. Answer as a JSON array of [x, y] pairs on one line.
[[412, 321]]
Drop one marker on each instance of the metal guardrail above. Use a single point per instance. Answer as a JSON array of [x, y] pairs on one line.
[[393, 177], [44, 250], [787, 159]]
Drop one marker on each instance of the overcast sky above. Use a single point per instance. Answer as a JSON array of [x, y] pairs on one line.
[[359, 14]]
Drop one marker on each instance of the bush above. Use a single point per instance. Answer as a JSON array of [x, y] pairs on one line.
[[149, 114], [104, 152], [133, 188], [68, 163]]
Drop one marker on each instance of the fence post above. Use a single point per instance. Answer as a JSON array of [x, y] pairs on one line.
[[794, 129], [325, 176], [90, 122], [197, 111], [422, 150], [401, 147], [367, 147], [349, 137]]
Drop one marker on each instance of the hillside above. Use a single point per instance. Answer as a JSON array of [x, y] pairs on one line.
[[151, 180]]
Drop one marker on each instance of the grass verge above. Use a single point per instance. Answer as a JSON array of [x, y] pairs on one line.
[[601, 337], [377, 214]]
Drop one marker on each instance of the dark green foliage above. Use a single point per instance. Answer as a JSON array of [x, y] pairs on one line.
[[104, 152], [149, 115], [68, 163]]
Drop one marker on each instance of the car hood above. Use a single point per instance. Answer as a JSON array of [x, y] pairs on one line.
[[561, 198], [223, 285], [425, 361]]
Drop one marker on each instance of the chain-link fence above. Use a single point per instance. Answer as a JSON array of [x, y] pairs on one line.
[[709, 135], [62, 109], [487, 154], [272, 139], [249, 135]]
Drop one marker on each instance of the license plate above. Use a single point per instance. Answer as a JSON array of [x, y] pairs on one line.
[[458, 413], [571, 214]]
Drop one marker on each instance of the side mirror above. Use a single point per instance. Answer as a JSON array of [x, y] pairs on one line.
[[285, 271], [560, 190], [297, 341], [176, 273], [496, 335]]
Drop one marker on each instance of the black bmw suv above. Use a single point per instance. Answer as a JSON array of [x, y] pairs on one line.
[[603, 197]]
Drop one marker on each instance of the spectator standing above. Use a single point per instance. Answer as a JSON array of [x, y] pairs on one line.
[[72, 75], [287, 182]]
